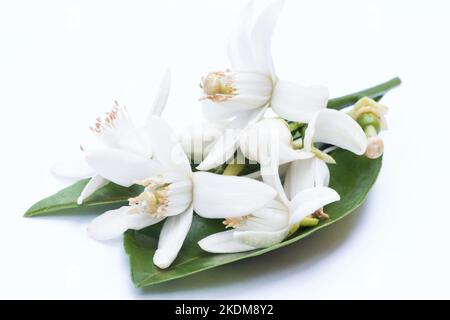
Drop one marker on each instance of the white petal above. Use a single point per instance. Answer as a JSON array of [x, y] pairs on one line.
[[336, 128], [217, 196], [254, 175], [261, 239], [114, 223], [223, 242], [96, 183], [322, 173], [310, 200], [118, 131], [122, 167], [260, 140], [248, 117], [223, 150], [146, 149], [306, 174], [274, 216], [287, 154], [262, 37], [263, 142], [160, 100], [179, 195], [214, 111], [253, 90], [298, 103], [198, 139], [172, 237], [299, 176], [239, 46], [271, 176], [75, 169], [166, 148]]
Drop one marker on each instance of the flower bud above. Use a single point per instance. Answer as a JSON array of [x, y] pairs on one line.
[[370, 115], [369, 112]]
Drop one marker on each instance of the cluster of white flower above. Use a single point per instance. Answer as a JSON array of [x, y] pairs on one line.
[[260, 209]]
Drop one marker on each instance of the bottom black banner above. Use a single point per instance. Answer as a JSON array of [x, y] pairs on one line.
[[227, 309]]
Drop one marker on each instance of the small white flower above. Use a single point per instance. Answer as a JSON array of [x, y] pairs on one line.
[[171, 192], [198, 139], [327, 126], [269, 142], [242, 94], [118, 132], [268, 225]]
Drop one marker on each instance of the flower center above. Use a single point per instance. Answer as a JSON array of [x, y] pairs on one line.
[[218, 86], [153, 200]]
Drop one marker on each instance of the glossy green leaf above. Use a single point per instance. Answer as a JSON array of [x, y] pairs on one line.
[[352, 177], [65, 201]]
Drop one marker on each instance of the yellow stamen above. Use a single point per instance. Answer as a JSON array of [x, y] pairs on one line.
[[109, 120], [153, 200], [320, 214], [236, 222]]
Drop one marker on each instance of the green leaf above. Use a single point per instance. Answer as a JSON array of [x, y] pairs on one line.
[[65, 201], [352, 177]]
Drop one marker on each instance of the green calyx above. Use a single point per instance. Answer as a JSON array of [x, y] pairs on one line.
[[369, 114]]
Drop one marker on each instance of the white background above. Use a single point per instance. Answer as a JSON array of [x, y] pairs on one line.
[[62, 63]]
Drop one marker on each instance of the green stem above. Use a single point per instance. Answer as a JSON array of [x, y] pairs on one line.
[[375, 93]]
